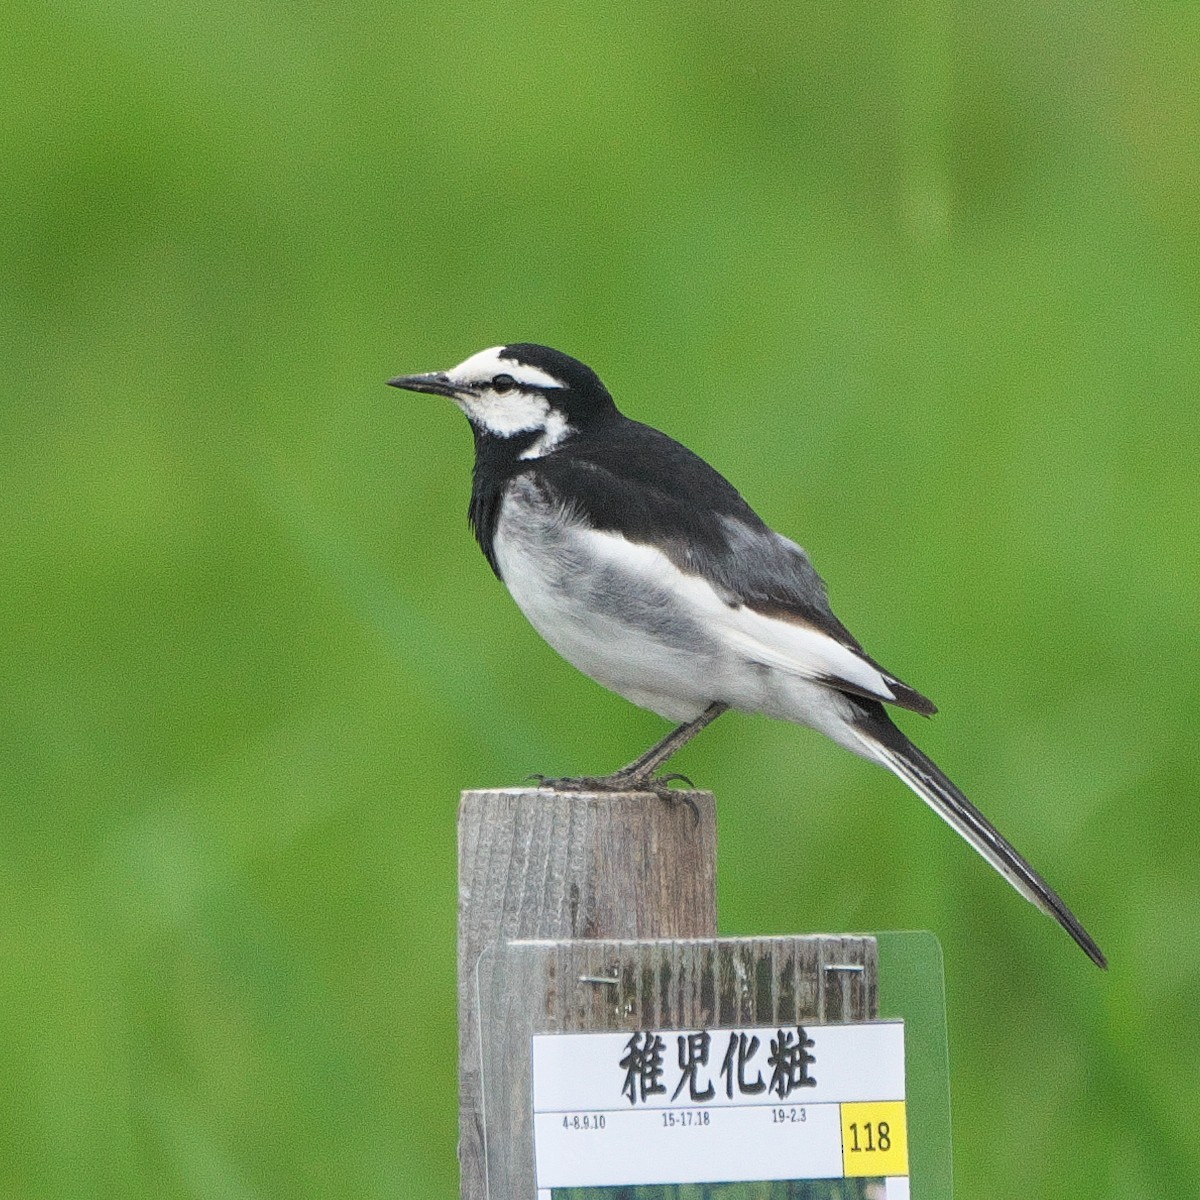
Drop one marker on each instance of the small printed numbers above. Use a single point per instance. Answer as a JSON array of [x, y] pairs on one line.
[[581, 1121], [788, 1116], [870, 1132], [688, 1117], [874, 1138]]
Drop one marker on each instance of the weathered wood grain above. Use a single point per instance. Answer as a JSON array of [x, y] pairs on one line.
[[534, 863]]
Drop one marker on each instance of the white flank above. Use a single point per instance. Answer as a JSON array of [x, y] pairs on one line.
[[625, 615], [770, 641]]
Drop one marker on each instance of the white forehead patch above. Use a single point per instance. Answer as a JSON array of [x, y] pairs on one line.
[[481, 367]]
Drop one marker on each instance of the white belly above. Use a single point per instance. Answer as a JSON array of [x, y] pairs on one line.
[[615, 625]]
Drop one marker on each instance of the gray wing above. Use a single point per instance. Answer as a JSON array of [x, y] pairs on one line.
[[650, 490], [773, 576]]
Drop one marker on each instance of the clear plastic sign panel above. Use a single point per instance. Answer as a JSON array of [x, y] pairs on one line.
[[851, 1111]]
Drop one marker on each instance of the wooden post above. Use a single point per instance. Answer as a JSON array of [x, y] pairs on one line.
[[621, 891], [535, 863]]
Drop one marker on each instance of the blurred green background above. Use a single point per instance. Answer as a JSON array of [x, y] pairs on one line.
[[921, 278]]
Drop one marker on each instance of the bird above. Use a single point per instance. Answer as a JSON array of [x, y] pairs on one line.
[[643, 567]]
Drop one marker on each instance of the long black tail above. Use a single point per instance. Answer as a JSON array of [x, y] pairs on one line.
[[886, 744]]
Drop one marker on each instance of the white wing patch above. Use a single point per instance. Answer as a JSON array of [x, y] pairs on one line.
[[787, 646]]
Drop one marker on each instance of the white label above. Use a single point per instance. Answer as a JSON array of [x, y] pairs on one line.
[[720, 1105]]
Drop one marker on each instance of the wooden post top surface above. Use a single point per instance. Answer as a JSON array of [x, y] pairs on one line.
[[537, 863]]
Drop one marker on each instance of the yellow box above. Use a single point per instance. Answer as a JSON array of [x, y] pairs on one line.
[[875, 1138]]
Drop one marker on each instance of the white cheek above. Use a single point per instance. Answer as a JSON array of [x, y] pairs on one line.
[[508, 414]]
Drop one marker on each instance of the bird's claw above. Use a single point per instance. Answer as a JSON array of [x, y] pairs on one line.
[[674, 776], [656, 785]]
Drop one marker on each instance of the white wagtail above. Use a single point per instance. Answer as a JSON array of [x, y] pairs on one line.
[[645, 568]]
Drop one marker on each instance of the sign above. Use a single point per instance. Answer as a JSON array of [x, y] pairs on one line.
[[721, 1107]]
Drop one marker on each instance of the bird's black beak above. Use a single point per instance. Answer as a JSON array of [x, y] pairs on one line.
[[434, 382]]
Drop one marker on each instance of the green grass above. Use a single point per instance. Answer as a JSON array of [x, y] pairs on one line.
[[921, 279]]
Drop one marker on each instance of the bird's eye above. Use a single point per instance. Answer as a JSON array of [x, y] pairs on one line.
[[503, 383]]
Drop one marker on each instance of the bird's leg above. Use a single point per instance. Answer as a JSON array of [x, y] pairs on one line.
[[638, 776], [644, 766]]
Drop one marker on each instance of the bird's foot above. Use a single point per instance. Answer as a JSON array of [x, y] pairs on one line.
[[624, 781], [618, 781]]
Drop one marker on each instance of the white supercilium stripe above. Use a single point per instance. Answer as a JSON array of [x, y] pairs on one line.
[[482, 366]]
